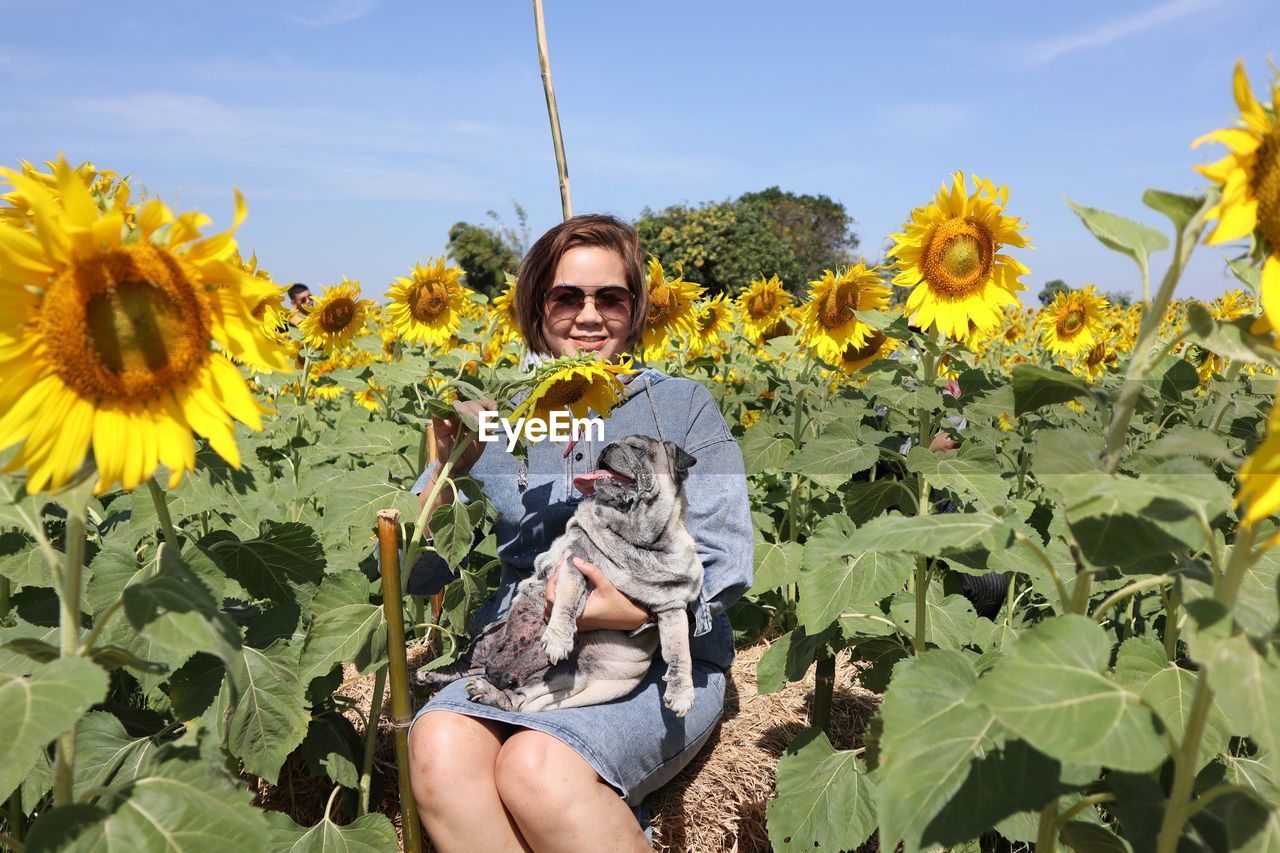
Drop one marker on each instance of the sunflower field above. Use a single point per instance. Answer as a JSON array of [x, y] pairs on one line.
[[187, 558]]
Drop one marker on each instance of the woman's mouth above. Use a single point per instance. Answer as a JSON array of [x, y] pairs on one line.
[[592, 342]]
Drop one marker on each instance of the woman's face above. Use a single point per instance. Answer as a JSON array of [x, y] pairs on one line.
[[588, 307]]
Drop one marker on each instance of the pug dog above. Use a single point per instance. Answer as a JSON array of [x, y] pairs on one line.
[[631, 526]]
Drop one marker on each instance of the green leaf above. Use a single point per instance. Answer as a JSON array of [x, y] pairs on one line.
[[372, 833], [1230, 339], [269, 717], [1247, 273], [1051, 689], [346, 628], [931, 535], [973, 473], [831, 460], [284, 563], [331, 748], [1178, 207], [764, 452], [776, 564], [1123, 235], [105, 752], [1245, 676], [182, 808], [1169, 693], [950, 623], [21, 561], [194, 686], [789, 658], [38, 708], [1118, 520], [1139, 660], [836, 578], [932, 733], [1035, 387], [451, 532], [863, 501], [825, 798], [1091, 838], [350, 514]]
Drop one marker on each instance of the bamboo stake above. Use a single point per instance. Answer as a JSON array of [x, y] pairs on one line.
[[398, 670], [437, 600], [562, 166]]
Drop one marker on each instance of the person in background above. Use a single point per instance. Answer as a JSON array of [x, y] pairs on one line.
[[300, 300]]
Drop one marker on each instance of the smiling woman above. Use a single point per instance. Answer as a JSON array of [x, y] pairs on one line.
[[569, 778]]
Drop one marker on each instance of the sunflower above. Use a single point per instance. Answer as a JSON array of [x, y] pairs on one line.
[[671, 311], [107, 189], [1231, 305], [714, 319], [875, 345], [828, 323], [949, 256], [763, 307], [337, 317], [325, 392], [428, 305], [581, 384], [1006, 422], [119, 339], [1260, 476], [506, 324], [1098, 359], [371, 397], [1250, 180], [1073, 322]]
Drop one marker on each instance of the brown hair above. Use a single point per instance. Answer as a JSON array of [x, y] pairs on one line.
[[539, 267]]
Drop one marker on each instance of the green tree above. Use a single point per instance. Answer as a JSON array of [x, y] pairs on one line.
[[1051, 290], [723, 245], [1119, 298], [486, 252]]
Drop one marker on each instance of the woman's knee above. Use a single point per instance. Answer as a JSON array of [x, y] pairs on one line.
[[449, 753], [535, 771]]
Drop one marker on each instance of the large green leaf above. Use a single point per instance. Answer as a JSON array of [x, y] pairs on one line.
[[932, 733], [1123, 235], [865, 500], [789, 658], [284, 563], [825, 798], [350, 514], [776, 563], [346, 627], [105, 753], [1035, 387], [1231, 339], [38, 708], [1170, 694], [332, 748], [763, 452], [973, 473], [1245, 676], [951, 621], [372, 833], [182, 808], [269, 717], [1051, 688], [834, 457], [931, 535], [451, 532], [836, 578]]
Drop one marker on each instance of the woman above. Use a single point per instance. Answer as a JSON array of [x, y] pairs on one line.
[[568, 779]]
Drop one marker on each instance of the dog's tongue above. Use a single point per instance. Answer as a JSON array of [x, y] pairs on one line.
[[586, 483]]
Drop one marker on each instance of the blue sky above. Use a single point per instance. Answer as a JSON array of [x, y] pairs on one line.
[[360, 130]]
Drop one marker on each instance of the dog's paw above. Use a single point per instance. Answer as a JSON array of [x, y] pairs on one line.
[[557, 645], [481, 691], [678, 698]]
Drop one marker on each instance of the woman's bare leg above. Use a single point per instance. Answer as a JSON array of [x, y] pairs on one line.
[[452, 760], [559, 802]]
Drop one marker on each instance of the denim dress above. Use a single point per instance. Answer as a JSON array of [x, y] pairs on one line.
[[634, 743]]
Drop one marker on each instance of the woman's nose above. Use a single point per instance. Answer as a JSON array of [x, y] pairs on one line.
[[589, 316]]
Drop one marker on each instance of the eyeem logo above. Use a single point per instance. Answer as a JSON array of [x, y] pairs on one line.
[[562, 426]]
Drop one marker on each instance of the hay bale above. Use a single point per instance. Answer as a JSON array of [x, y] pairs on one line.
[[716, 804]]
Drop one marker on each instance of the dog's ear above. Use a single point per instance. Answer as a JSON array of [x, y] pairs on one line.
[[681, 462]]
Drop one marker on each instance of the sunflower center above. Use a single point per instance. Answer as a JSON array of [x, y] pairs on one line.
[[958, 258], [662, 303], [1266, 188], [430, 301], [838, 306], [1072, 322], [762, 305], [873, 343], [338, 314], [125, 325], [567, 391]]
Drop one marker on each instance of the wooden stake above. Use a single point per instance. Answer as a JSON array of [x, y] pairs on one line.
[[562, 166], [398, 670]]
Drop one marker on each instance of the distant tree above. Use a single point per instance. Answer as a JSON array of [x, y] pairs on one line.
[[1119, 298], [1051, 290], [486, 253], [723, 245]]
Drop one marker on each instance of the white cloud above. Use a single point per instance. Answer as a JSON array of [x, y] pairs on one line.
[[1111, 31]]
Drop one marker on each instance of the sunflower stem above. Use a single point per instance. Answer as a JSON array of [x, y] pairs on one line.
[[370, 743], [162, 511], [64, 759], [1175, 814]]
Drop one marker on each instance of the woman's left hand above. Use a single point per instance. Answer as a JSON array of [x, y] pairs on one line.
[[607, 607]]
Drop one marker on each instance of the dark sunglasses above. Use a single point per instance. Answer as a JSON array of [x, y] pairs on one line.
[[612, 301]]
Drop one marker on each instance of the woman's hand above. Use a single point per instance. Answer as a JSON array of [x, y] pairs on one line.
[[942, 442], [448, 431], [607, 607]]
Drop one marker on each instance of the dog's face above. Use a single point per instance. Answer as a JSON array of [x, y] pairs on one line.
[[637, 470]]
